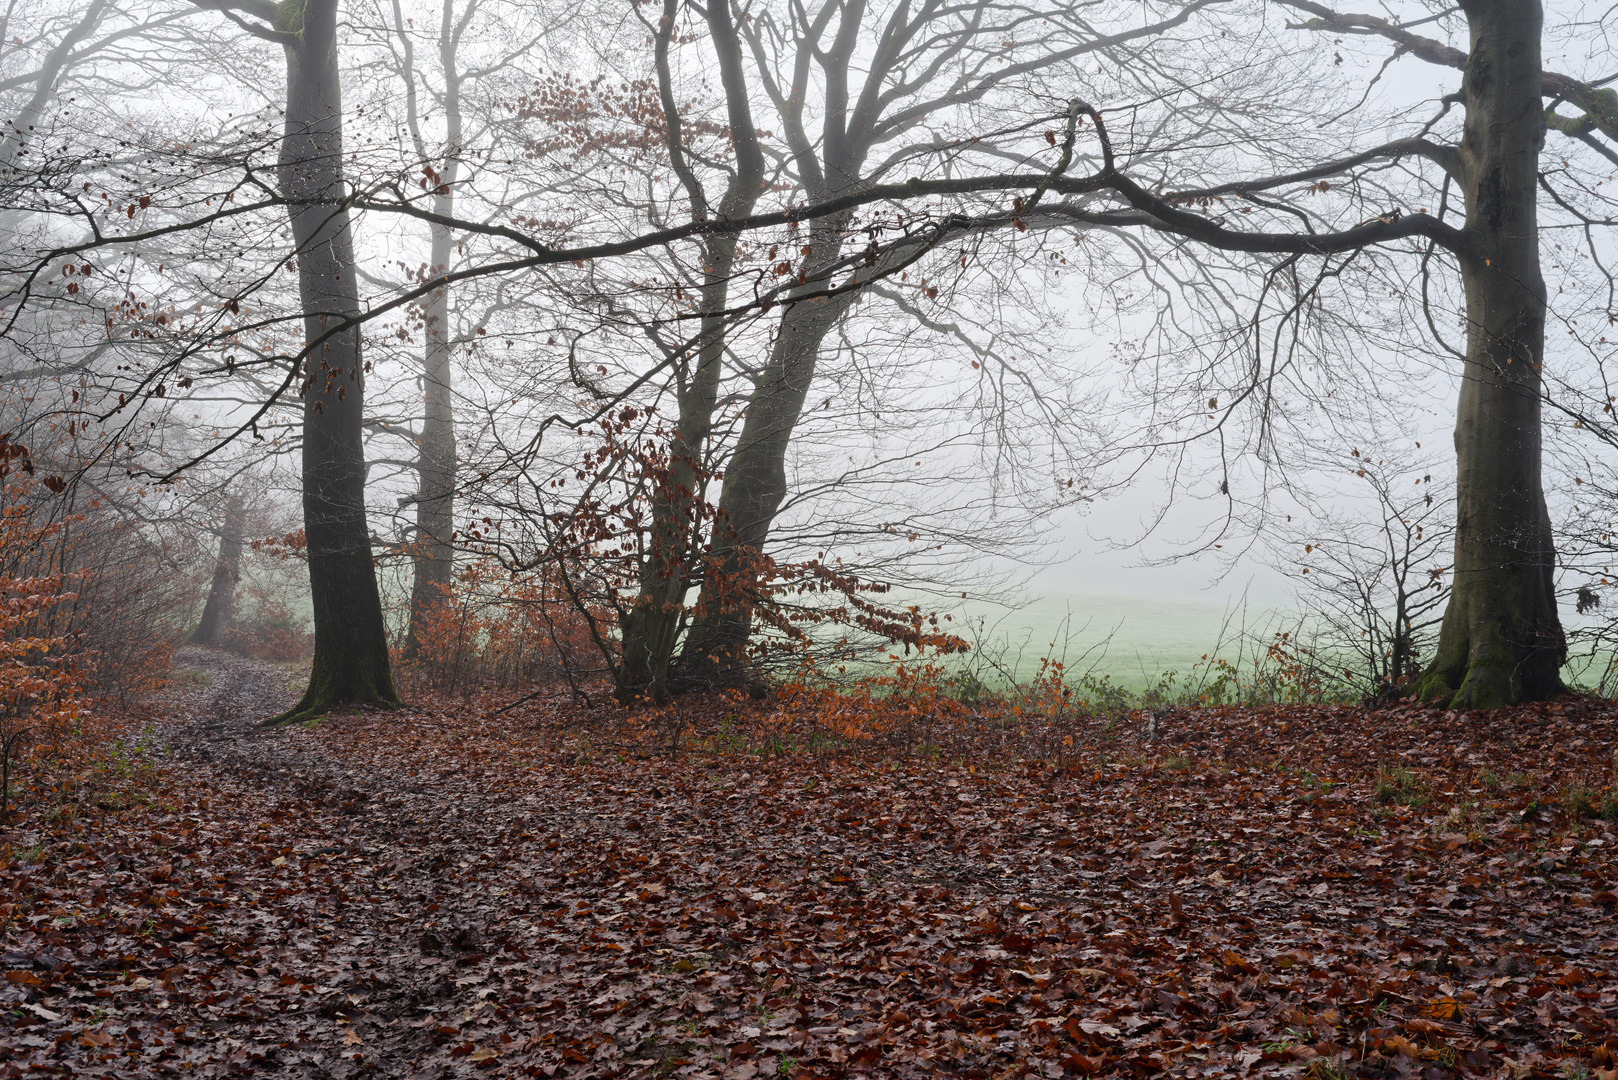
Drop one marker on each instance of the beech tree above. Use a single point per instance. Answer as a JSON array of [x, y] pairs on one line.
[[433, 558], [651, 630], [1501, 639], [216, 610], [931, 70], [351, 663], [452, 116]]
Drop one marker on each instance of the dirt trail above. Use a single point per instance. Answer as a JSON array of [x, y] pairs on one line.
[[381, 932]]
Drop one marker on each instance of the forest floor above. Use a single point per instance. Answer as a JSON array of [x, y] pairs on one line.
[[447, 891]]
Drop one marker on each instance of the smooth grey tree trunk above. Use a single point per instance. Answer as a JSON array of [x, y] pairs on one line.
[[1501, 640], [755, 481], [227, 572], [434, 560], [651, 628], [351, 663], [436, 472]]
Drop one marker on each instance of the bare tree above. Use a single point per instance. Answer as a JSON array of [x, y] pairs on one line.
[[1502, 640], [930, 65], [653, 624], [434, 557], [227, 572], [351, 662]]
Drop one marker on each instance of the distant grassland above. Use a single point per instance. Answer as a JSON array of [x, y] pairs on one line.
[[1131, 641]]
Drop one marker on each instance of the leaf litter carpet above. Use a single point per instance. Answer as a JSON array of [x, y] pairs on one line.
[[440, 892]]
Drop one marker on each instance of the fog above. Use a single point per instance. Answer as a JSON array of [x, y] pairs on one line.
[[714, 321]]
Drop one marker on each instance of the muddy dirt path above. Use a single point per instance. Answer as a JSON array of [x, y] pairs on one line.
[[363, 884]]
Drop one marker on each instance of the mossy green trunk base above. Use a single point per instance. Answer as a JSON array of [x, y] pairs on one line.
[[335, 686], [1491, 673], [648, 632]]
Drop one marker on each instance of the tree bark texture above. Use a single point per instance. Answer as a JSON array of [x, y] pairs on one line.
[[351, 662], [227, 572], [436, 474], [652, 626], [1501, 641], [434, 560], [755, 482]]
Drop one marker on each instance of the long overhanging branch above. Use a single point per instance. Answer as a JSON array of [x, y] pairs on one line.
[[1161, 211], [1164, 213], [1600, 105]]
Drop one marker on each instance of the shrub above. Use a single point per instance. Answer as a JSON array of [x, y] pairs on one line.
[[263, 624], [41, 668], [267, 630], [489, 631], [132, 599]]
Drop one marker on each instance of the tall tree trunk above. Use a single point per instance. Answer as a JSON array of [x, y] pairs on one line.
[[650, 628], [434, 562], [1501, 641], [755, 477], [755, 480], [435, 464], [351, 648], [227, 572]]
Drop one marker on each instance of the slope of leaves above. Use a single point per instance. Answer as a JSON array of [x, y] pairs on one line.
[[447, 892]]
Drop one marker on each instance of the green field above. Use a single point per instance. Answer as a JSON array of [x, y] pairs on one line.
[[1130, 640]]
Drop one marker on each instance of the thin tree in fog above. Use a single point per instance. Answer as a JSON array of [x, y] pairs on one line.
[[442, 162]]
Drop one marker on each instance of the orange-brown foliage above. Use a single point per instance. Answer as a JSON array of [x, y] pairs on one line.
[[493, 629], [41, 668]]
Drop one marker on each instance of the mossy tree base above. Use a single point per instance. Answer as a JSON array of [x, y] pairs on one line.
[[630, 688], [1488, 666], [648, 631], [707, 670], [330, 691], [1481, 686]]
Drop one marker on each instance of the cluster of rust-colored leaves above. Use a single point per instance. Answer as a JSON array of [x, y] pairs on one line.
[[491, 629], [548, 891], [550, 590], [44, 659]]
